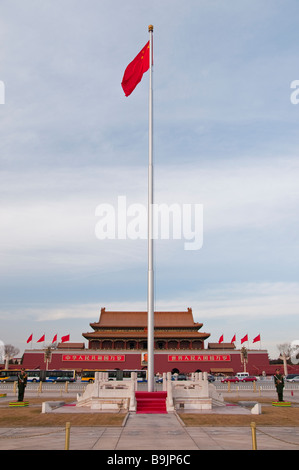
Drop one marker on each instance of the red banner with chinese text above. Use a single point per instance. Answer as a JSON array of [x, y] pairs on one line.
[[199, 357], [94, 357]]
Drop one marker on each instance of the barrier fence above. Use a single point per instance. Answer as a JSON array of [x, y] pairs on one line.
[[66, 387], [254, 386]]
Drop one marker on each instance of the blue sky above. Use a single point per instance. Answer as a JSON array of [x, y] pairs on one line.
[[225, 136]]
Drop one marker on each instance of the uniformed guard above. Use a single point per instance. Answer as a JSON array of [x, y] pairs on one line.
[[22, 382], [279, 384]]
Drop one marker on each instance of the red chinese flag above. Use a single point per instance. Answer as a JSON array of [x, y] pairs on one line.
[[65, 338], [135, 70], [54, 339], [257, 338], [41, 339], [30, 338], [245, 338], [220, 339], [233, 339]]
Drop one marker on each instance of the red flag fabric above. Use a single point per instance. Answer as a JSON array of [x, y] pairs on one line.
[[54, 339], [233, 339], [41, 339], [245, 338], [30, 338], [65, 338], [135, 70], [220, 339], [257, 338]]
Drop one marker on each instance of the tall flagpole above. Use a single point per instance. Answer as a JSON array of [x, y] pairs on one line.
[[150, 300]]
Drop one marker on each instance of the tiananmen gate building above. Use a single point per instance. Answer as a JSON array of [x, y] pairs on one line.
[[119, 341]]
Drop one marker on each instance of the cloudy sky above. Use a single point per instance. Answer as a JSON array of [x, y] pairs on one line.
[[226, 135]]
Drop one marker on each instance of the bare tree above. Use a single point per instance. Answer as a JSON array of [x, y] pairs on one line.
[[285, 354], [1, 351], [9, 352], [295, 352], [284, 348]]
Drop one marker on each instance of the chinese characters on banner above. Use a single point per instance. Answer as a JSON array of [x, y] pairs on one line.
[[171, 358], [94, 357], [199, 357]]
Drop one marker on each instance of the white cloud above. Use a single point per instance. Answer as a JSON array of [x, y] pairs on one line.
[[225, 136], [50, 215], [253, 308], [254, 301]]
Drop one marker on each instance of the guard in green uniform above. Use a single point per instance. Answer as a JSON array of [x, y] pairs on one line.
[[22, 382], [279, 384]]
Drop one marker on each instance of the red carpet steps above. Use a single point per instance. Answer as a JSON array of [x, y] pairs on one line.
[[151, 402]]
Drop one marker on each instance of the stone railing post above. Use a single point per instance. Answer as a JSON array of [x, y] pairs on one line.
[[164, 382], [132, 404], [169, 399]]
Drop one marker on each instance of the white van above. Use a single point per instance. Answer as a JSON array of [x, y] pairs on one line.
[[241, 375]]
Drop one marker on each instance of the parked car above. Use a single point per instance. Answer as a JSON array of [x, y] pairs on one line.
[[293, 379], [211, 378], [249, 378], [182, 377], [289, 377], [230, 379], [241, 375]]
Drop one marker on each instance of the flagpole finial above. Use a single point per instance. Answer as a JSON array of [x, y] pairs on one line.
[[150, 28]]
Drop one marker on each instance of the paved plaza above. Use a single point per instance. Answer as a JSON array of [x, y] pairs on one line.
[[151, 432]]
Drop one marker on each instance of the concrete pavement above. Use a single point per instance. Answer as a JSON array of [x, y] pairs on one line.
[[151, 432]]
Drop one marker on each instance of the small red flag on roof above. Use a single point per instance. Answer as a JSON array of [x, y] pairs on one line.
[[245, 338], [30, 338], [257, 338], [65, 338], [54, 339]]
